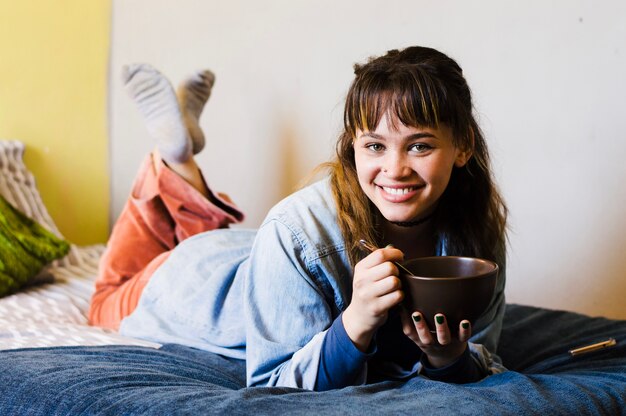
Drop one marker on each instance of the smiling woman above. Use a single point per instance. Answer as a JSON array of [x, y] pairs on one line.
[[52, 316], [411, 170], [416, 105], [412, 145], [293, 302], [404, 170]]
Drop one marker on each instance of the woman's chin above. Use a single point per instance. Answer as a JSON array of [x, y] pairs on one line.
[[408, 219], [398, 218]]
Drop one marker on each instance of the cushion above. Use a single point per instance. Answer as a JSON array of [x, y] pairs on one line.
[[25, 248], [18, 187]]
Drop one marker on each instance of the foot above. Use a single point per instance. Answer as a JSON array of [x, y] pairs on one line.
[[193, 94], [159, 107]]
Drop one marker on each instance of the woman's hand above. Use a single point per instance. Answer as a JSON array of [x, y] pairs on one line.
[[376, 289], [440, 348]]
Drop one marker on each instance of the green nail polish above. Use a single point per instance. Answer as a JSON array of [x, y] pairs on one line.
[[465, 325], [417, 318], [439, 319]]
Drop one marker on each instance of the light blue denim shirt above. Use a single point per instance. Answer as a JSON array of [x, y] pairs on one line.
[[270, 296]]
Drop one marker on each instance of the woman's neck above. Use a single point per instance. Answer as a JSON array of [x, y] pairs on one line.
[[414, 241]]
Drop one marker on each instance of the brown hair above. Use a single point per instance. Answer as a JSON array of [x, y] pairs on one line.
[[422, 87]]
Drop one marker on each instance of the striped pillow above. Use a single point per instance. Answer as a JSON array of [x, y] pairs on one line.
[[18, 187], [26, 248], [17, 184]]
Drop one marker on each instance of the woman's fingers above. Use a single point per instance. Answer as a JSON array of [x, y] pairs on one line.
[[441, 327], [440, 347], [423, 332], [378, 289], [381, 256], [465, 330], [442, 334], [375, 273], [407, 324], [387, 285], [378, 297], [388, 300]]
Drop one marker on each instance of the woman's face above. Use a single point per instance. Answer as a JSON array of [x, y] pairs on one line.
[[404, 171]]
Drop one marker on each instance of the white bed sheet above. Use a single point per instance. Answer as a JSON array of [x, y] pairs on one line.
[[55, 314]]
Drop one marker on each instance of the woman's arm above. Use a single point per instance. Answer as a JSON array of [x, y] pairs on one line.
[[289, 309]]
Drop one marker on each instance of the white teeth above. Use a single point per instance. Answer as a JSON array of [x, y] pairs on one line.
[[397, 191]]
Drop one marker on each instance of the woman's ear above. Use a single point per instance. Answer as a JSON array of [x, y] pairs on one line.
[[462, 158], [465, 153]]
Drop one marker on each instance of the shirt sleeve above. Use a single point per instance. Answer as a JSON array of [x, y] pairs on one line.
[[464, 370], [287, 311], [341, 361]]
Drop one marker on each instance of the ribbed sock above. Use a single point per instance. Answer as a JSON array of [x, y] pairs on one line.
[[159, 107], [193, 94]]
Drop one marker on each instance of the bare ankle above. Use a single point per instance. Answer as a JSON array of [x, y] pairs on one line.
[[190, 172]]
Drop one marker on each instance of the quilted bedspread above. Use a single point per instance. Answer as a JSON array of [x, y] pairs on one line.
[[112, 380]]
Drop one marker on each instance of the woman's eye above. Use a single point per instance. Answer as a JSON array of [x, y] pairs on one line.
[[420, 148], [375, 147]]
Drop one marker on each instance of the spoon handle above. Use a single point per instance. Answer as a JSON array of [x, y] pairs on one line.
[[369, 246]]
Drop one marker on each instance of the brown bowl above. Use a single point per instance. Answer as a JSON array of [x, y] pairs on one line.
[[458, 287]]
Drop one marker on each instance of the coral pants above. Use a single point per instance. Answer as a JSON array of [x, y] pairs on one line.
[[162, 210]]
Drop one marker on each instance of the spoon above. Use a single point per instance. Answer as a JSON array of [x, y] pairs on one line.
[[371, 247]]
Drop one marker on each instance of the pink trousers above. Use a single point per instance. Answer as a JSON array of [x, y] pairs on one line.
[[162, 210]]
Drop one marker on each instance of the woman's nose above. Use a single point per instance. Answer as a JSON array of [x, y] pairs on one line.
[[396, 165]]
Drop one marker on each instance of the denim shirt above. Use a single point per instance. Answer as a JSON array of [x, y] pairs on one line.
[[270, 296]]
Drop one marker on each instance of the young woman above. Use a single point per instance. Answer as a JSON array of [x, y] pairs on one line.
[[298, 299]]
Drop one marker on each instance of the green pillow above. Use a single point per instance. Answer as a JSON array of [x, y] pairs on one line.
[[25, 248]]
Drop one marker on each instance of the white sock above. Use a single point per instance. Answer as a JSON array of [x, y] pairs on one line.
[[193, 94], [158, 104]]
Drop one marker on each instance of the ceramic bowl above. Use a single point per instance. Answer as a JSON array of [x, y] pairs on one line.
[[458, 287]]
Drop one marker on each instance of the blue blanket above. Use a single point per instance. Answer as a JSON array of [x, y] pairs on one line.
[[544, 379]]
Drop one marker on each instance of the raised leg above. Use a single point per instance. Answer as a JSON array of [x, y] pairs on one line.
[[162, 210]]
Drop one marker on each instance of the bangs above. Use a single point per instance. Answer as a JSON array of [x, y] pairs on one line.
[[412, 97]]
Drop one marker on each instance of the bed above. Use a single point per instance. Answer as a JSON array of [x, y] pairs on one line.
[[52, 362]]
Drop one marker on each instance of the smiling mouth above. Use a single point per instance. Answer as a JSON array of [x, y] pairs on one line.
[[398, 191]]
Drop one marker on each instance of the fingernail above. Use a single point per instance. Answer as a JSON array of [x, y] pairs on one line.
[[465, 325], [389, 246], [439, 319], [417, 318]]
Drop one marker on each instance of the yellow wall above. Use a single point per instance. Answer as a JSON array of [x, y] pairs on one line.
[[53, 97]]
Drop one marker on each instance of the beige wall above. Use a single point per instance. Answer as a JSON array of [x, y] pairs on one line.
[[53, 90], [548, 79]]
